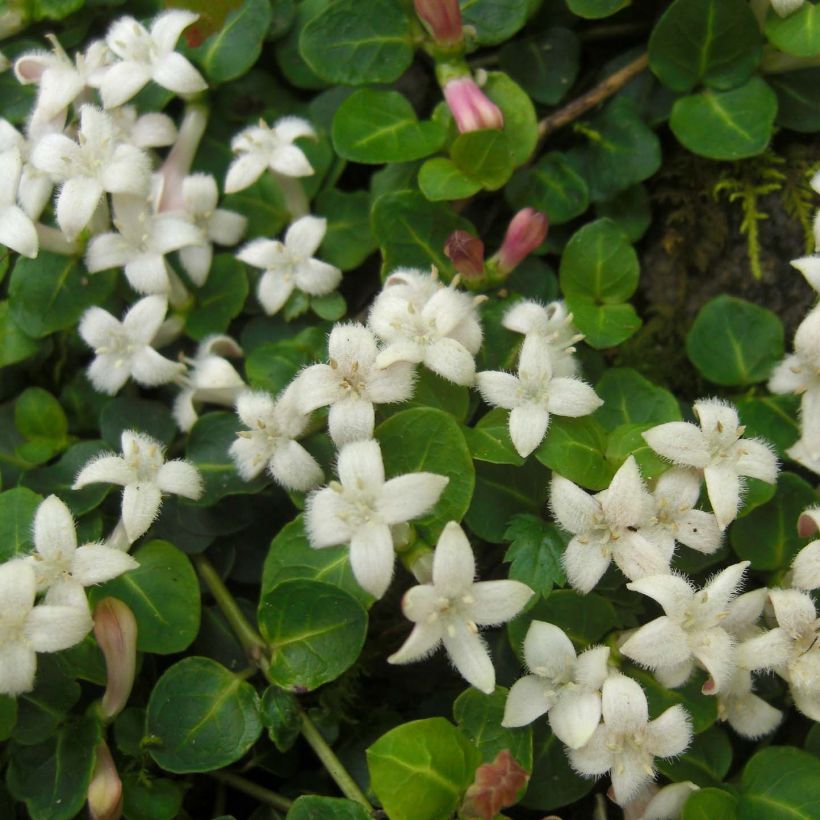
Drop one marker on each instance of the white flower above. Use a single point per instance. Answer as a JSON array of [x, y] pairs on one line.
[[351, 384], [716, 447], [271, 441], [606, 527], [668, 803], [806, 567], [786, 7], [212, 379], [59, 562], [535, 393], [627, 742], [749, 715], [674, 517], [262, 146], [361, 507], [26, 629], [97, 163], [123, 349], [422, 322], [805, 453], [148, 56], [809, 266], [151, 130], [140, 244], [290, 265], [690, 630], [451, 608], [145, 476], [17, 231], [554, 324], [562, 684]]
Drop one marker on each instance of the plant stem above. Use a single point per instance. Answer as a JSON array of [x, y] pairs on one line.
[[262, 794], [337, 771], [615, 82], [252, 642]]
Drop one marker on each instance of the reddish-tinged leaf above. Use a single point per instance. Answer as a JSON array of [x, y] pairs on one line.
[[497, 785]]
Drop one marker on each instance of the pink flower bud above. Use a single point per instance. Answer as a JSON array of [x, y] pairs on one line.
[[115, 629], [442, 18], [527, 230], [470, 106], [105, 788], [466, 252]]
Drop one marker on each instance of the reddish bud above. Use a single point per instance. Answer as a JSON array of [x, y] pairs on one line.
[[496, 786], [115, 629], [105, 788], [808, 523], [470, 106], [466, 252], [442, 18], [527, 230]]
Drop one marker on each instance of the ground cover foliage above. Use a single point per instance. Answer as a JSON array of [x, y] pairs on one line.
[[409, 410]]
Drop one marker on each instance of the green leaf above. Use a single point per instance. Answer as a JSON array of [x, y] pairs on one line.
[[701, 708], [780, 783], [8, 716], [380, 126], [290, 556], [427, 440], [272, 365], [734, 342], [485, 156], [315, 632], [411, 232], [54, 9], [767, 536], [40, 419], [348, 241], [430, 390], [553, 783], [490, 439], [52, 778], [708, 804], [201, 717], [552, 186], [705, 763], [281, 716], [535, 553], [51, 292], [479, 716], [603, 325], [627, 440], [771, 417], [17, 508], [797, 106], [231, 51], [596, 9], [545, 66], [441, 179], [263, 204], [354, 43], [220, 299], [494, 21], [420, 770], [798, 33], [41, 711], [729, 125], [629, 398], [520, 122], [15, 346], [716, 42], [313, 807], [151, 417], [207, 450], [147, 798], [576, 449], [163, 594], [629, 210]]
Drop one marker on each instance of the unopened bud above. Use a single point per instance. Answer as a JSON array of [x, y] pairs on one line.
[[809, 522], [442, 18], [466, 252], [470, 106], [105, 788], [527, 230], [115, 629]]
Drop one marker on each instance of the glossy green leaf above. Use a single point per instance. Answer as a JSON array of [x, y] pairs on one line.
[[520, 122], [576, 449], [773, 418], [42, 711], [354, 43], [262, 204], [553, 783], [420, 770], [708, 804], [281, 716], [603, 325], [493, 20], [484, 156], [705, 763], [348, 241], [630, 210], [797, 101], [272, 365], [427, 440], [535, 553], [716, 42], [41, 420], [151, 417], [430, 390], [702, 708], [778, 783], [727, 125], [440, 179], [630, 398], [15, 345], [735, 342], [220, 299], [381, 126], [798, 33], [163, 594], [17, 508], [490, 439], [315, 632], [313, 807], [201, 717], [545, 66], [627, 440], [595, 9], [147, 798]]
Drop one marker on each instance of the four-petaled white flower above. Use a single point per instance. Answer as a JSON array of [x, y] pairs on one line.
[[351, 384], [290, 265], [627, 742], [535, 393], [451, 608], [59, 562], [262, 146], [212, 379], [718, 449], [561, 683], [123, 349], [606, 527], [26, 629], [271, 440], [148, 55], [691, 630], [140, 244], [17, 231], [361, 507], [97, 163], [145, 476]]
